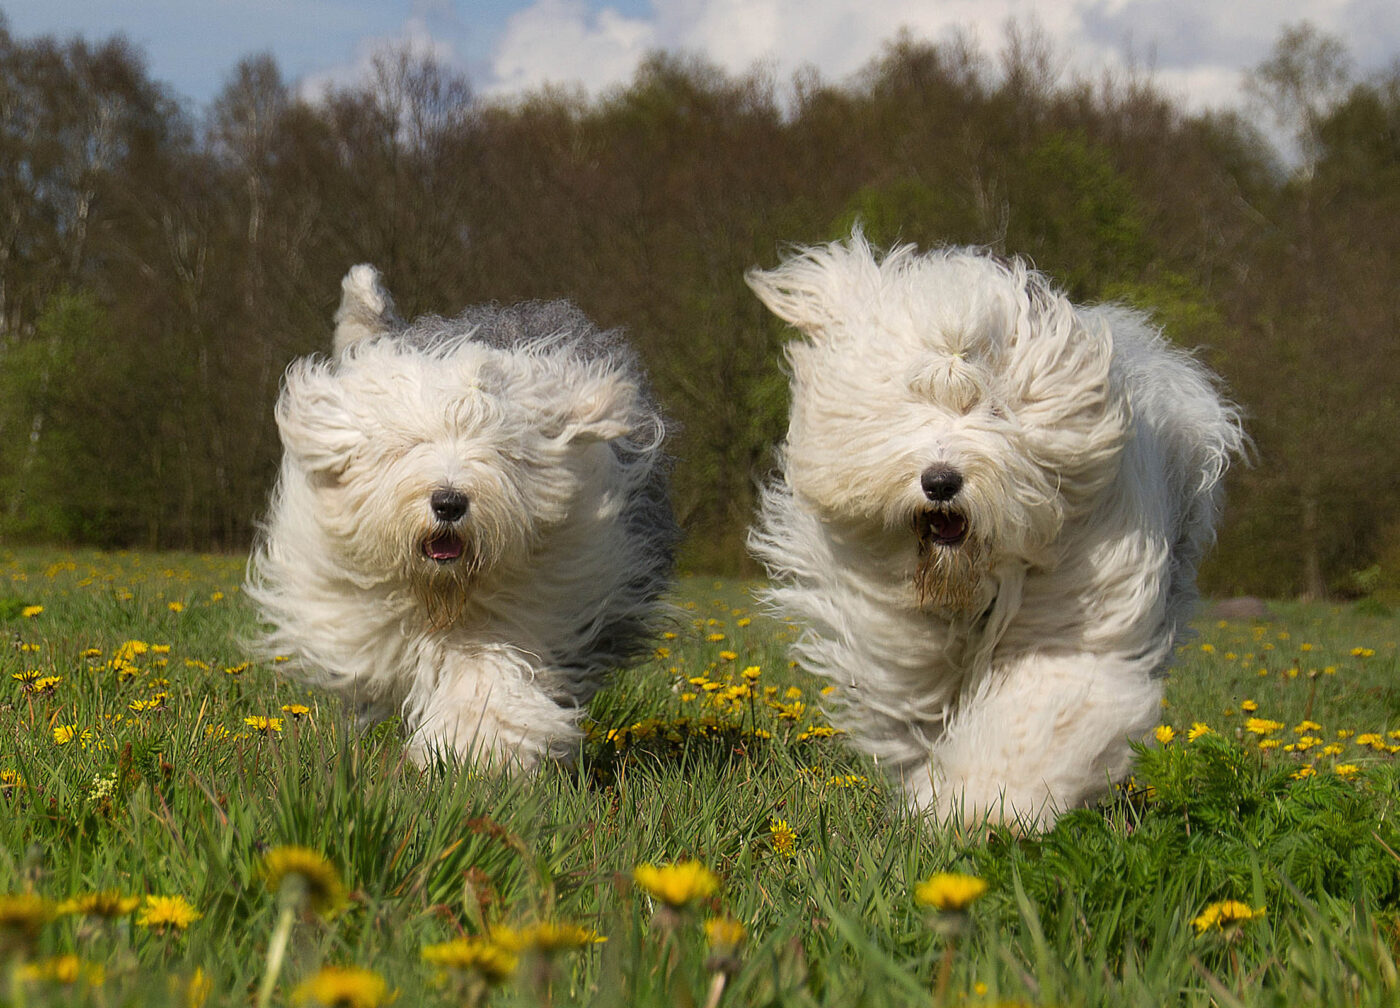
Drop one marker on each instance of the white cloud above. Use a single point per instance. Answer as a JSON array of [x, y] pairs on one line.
[[425, 33], [1197, 49], [564, 41]]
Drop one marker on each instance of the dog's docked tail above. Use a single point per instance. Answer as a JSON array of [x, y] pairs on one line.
[[366, 309]]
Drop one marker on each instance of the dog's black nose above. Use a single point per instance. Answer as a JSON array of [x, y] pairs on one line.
[[448, 505], [941, 484]]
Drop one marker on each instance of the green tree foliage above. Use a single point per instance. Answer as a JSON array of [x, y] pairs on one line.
[[167, 267]]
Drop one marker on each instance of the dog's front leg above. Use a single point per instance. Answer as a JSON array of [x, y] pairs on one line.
[[1041, 734], [487, 704]]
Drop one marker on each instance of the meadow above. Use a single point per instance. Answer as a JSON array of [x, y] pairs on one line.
[[183, 827]]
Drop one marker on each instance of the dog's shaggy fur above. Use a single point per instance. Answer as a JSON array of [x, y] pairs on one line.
[[471, 526], [991, 508]]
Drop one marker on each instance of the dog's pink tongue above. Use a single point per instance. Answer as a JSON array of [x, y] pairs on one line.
[[444, 547], [948, 527]]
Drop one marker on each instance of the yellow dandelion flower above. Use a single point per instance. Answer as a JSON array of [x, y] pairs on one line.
[[30, 611], [725, 934], [678, 883], [791, 711], [486, 958], [64, 969], [752, 672], [1164, 734], [1303, 773], [847, 780], [131, 649], [715, 638], [1363, 652], [108, 903], [176, 607], [1333, 749], [264, 725], [198, 988], [308, 870], [342, 987], [296, 710], [1262, 726], [22, 915], [163, 912], [63, 734], [950, 892], [744, 621], [1226, 915], [1372, 740], [1305, 727], [1346, 771], [728, 655], [1248, 706], [546, 937], [46, 684], [1198, 729], [783, 838]]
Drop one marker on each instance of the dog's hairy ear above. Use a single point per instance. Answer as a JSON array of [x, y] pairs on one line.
[[818, 289], [598, 408], [366, 309], [317, 428]]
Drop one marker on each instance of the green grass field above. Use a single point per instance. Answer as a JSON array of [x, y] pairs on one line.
[[147, 759]]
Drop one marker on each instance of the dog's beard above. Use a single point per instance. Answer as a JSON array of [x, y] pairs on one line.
[[443, 575], [949, 573]]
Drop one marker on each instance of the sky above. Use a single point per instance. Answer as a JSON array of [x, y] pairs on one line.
[[1196, 50]]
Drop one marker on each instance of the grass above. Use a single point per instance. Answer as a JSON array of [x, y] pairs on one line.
[[139, 772]]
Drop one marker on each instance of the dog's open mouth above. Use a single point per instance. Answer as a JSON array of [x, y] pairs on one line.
[[444, 547], [939, 527]]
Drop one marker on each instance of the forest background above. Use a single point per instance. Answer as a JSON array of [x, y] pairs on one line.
[[160, 266]]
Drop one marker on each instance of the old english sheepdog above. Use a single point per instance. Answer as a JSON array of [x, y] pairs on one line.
[[471, 524], [989, 515]]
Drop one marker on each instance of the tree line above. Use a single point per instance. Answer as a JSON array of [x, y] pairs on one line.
[[160, 266]]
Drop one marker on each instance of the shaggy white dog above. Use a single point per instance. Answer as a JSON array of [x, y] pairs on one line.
[[470, 527], [991, 508]]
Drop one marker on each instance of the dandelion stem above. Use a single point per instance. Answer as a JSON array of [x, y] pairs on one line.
[[276, 952], [717, 983], [945, 971]]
